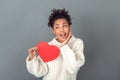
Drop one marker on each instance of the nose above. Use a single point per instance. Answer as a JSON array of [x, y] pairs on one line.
[[62, 29]]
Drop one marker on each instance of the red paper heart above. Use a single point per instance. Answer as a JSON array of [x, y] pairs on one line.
[[47, 52]]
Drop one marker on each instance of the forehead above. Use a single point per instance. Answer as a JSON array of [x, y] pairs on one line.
[[60, 21]]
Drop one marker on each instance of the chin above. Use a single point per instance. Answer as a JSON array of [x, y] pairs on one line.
[[63, 40]]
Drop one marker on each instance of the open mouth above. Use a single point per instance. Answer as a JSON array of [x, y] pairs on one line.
[[63, 35]]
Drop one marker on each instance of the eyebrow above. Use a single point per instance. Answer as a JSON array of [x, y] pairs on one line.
[[58, 24], [64, 22]]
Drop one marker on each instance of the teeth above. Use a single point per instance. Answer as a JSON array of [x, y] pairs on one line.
[[63, 34]]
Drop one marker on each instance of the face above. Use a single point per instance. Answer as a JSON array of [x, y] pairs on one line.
[[61, 29]]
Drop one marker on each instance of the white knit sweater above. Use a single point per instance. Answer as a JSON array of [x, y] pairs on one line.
[[65, 67]]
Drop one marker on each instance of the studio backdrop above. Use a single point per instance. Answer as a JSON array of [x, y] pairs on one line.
[[23, 23]]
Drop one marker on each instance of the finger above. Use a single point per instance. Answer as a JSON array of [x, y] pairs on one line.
[[70, 33], [34, 53], [35, 48], [68, 36], [30, 50]]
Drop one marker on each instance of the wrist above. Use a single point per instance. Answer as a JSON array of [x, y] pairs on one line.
[[30, 57]]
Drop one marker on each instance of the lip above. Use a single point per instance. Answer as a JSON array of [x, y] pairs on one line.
[[63, 36]]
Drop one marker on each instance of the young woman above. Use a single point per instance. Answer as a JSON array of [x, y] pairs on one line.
[[71, 58]]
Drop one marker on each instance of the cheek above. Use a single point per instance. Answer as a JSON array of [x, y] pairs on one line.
[[56, 33], [68, 30]]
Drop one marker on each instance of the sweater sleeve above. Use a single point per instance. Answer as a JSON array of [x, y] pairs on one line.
[[36, 66], [73, 58]]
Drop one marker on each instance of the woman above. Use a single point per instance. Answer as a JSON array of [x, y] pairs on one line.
[[71, 57]]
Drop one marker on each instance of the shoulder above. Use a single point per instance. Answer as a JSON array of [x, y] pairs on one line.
[[79, 40], [75, 42], [52, 41]]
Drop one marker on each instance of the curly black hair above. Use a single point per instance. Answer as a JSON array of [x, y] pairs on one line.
[[57, 14]]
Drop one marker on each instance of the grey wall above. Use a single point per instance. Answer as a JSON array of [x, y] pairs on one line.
[[23, 23]]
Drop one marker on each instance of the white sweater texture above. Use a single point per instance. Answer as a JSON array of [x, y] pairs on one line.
[[64, 67]]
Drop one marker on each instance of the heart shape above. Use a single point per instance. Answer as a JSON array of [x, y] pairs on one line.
[[47, 52]]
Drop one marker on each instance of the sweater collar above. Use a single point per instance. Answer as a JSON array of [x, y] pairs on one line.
[[55, 41]]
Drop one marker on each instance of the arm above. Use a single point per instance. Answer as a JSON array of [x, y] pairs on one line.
[[73, 58], [36, 66]]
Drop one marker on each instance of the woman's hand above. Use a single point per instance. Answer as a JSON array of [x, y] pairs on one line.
[[32, 52], [67, 40]]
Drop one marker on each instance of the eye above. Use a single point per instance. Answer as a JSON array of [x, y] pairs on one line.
[[64, 26], [56, 27]]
